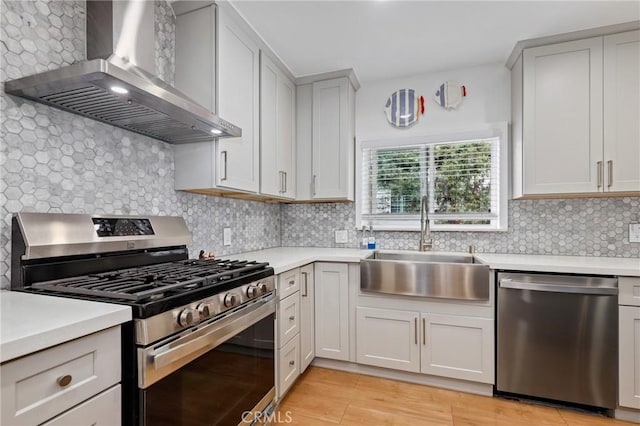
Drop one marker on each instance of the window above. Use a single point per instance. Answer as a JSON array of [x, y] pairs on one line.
[[461, 176]]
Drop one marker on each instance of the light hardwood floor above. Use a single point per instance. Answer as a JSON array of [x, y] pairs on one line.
[[329, 397]]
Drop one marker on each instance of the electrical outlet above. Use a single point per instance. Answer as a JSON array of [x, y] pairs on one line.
[[634, 232], [226, 236], [342, 236]]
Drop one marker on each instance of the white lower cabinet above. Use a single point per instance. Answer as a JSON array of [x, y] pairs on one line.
[[288, 327], [43, 385], [388, 338], [629, 367], [288, 365], [451, 346], [458, 347], [307, 319], [98, 411], [332, 310], [289, 318]]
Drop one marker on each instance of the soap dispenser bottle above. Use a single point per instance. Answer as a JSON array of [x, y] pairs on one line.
[[365, 239], [371, 244]]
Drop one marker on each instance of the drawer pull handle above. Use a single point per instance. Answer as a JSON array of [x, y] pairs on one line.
[[64, 381], [292, 282], [291, 318], [292, 363]]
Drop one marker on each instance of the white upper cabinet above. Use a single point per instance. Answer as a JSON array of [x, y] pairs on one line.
[[326, 129], [575, 108], [232, 163], [238, 103], [195, 74], [622, 111], [277, 131], [562, 117]]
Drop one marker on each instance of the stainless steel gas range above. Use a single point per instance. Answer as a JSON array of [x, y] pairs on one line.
[[200, 349]]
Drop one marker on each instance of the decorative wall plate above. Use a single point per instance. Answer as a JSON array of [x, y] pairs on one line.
[[404, 108], [450, 94]]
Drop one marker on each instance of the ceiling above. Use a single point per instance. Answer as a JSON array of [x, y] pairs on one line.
[[387, 39]]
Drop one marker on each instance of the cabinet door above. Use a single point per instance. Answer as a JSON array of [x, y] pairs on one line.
[[332, 140], [239, 103], [270, 181], [458, 347], [562, 117], [277, 127], [307, 320], [621, 111], [304, 133], [388, 338], [629, 362], [332, 310], [195, 69], [195, 76], [286, 109]]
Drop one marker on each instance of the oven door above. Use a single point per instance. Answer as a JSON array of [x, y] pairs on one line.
[[213, 374]]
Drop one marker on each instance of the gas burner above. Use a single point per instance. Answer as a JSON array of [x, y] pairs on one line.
[[155, 282]]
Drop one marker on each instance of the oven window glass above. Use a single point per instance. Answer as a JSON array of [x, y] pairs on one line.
[[218, 387]]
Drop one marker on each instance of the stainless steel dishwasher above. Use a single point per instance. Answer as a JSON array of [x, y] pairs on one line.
[[558, 337]]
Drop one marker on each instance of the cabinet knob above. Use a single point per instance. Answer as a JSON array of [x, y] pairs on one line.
[[292, 363], [64, 381], [291, 318]]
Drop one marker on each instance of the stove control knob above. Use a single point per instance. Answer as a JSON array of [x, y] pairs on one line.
[[263, 288], [186, 317], [253, 291], [204, 309], [230, 300]]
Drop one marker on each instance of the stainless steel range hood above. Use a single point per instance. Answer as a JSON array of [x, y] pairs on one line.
[[113, 86]]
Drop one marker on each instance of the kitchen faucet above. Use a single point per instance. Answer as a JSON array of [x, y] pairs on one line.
[[426, 243]]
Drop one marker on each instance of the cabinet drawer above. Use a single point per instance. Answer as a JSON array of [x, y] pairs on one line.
[[288, 283], [101, 410], [288, 368], [288, 318], [629, 291], [34, 389]]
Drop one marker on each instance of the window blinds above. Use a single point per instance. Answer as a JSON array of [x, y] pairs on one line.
[[461, 179]]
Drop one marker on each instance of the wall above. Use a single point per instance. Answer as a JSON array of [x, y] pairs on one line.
[[582, 227], [488, 101], [53, 161]]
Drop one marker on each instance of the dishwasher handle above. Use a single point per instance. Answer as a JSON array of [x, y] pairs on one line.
[[557, 288]]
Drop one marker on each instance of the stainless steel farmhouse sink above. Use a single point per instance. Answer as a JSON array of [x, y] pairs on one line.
[[421, 256], [440, 275]]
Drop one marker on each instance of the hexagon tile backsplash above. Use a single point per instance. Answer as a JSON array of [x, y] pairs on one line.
[[53, 161], [572, 227]]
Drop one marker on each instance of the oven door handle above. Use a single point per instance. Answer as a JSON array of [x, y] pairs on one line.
[[167, 358]]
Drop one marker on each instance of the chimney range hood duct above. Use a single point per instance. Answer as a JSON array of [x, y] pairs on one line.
[[112, 86]]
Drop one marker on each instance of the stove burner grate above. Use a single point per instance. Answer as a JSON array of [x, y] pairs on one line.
[[153, 282]]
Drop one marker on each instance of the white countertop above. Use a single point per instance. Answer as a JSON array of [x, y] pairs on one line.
[[32, 322], [563, 264], [282, 259], [285, 258]]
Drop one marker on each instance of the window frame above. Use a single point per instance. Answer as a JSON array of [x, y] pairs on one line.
[[412, 222]]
